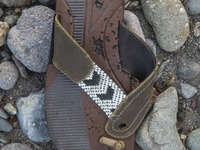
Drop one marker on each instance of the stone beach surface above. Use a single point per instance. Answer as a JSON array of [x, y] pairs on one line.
[[170, 27]]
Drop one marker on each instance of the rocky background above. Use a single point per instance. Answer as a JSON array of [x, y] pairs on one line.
[[170, 27]]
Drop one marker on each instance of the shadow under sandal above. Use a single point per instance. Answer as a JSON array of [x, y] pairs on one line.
[[88, 89]]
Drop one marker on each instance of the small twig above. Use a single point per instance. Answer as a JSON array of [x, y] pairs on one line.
[[34, 144], [127, 4], [160, 70]]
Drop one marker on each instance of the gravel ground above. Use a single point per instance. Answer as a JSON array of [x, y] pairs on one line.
[[190, 50]]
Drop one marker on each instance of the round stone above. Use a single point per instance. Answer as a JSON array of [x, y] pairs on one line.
[[8, 75]]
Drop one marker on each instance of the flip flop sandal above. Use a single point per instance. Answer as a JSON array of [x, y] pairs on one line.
[[99, 74]]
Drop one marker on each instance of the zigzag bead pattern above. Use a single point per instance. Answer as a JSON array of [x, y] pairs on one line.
[[102, 90]]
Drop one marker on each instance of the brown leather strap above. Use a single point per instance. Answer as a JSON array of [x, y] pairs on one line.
[[138, 60]]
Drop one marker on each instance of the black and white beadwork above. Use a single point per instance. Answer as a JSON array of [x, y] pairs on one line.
[[102, 90]]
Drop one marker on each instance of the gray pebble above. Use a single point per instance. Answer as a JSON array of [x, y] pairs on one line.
[[151, 45], [3, 114], [21, 68], [198, 103], [169, 21], [4, 138], [181, 116], [133, 23], [187, 91], [9, 108], [16, 146], [47, 2], [5, 125], [31, 116], [8, 75], [4, 54], [193, 7], [30, 39], [1, 12], [193, 140], [15, 3], [11, 19], [187, 69]]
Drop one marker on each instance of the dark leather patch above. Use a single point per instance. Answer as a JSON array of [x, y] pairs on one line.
[[69, 57], [138, 60]]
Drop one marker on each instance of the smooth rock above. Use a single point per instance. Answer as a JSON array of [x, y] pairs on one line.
[[3, 114], [21, 68], [8, 75], [47, 2], [5, 125], [152, 45], [9, 108], [187, 91], [4, 138], [193, 7], [11, 19], [15, 3], [187, 69], [4, 54], [158, 130], [196, 29], [4, 28], [133, 22], [1, 12], [193, 140], [198, 103], [31, 116], [30, 39], [169, 21], [16, 146]]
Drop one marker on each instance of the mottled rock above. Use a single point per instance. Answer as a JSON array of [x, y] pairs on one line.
[[193, 7], [169, 21], [152, 45], [47, 2], [15, 3], [16, 146], [187, 69], [30, 39], [133, 22], [9, 108], [187, 91], [21, 68], [5, 125], [3, 114], [4, 28], [31, 116], [4, 54], [158, 131], [193, 140], [1, 12], [11, 19], [4, 138], [8, 75], [198, 103], [196, 29]]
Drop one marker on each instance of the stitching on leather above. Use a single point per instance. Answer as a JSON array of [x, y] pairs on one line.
[[127, 107], [66, 33], [136, 126]]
